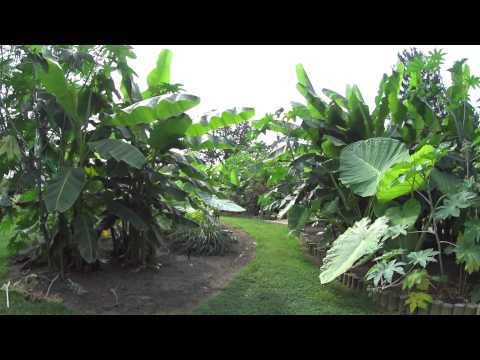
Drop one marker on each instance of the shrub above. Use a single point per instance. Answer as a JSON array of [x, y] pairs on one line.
[[208, 238]]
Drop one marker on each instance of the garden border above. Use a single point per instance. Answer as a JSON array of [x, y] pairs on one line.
[[389, 300]]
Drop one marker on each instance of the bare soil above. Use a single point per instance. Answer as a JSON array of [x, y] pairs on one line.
[[177, 287]]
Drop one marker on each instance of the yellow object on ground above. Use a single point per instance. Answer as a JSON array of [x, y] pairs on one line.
[[105, 234]]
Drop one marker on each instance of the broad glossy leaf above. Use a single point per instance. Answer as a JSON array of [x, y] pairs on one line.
[[363, 163], [156, 108], [85, 236], [120, 151], [221, 120], [407, 176], [62, 192], [357, 241]]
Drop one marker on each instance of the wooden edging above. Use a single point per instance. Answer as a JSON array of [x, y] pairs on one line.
[[393, 301]]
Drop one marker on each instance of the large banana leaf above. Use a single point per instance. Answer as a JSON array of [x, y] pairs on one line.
[[156, 108], [407, 176], [120, 151], [127, 214], [221, 120], [165, 134], [315, 105], [357, 241], [161, 73], [84, 233], [62, 192], [363, 163], [56, 84]]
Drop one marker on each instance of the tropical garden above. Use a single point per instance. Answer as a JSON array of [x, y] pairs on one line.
[[98, 174]]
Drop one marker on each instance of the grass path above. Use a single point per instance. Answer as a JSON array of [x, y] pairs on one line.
[[281, 281]]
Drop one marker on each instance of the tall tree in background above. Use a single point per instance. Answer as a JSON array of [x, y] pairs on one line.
[[434, 88], [236, 135]]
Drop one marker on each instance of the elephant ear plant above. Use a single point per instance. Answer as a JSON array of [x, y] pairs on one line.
[[411, 159], [82, 156]]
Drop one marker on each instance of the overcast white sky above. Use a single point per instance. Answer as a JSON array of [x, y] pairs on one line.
[[263, 76]]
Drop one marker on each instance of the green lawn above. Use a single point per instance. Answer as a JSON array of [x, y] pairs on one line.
[[18, 304], [281, 281]]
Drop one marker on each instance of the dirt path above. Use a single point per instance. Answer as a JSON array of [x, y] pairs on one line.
[[176, 288]]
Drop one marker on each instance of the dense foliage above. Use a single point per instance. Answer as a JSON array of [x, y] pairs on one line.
[[411, 162], [81, 153]]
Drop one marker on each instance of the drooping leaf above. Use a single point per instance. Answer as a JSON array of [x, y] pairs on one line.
[[62, 192], [284, 211], [156, 108], [363, 163], [120, 151], [127, 214], [84, 234], [357, 241], [220, 204]]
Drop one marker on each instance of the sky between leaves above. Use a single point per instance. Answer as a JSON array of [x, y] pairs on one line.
[[263, 76]]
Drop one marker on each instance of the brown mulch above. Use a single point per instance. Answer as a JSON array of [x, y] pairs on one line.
[[177, 287]]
